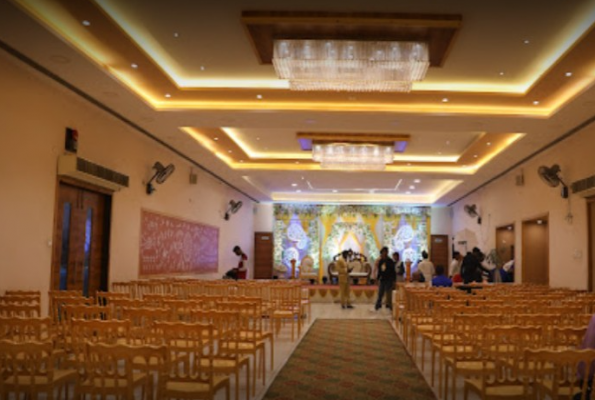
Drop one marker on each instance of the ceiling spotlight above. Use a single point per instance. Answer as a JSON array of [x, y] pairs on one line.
[[535, 102], [526, 41], [412, 187], [229, 151], [298, 191], [439, 153], [257, 138], [241, 161], [86, 23], [510, 227], [408, 164], [215, 138], [407, 192], [133, 65], [202, 68], [294, 184], [474, 155], [539, 221], [448, 142], [176, 34], [416, 180], [297, 162], [259, 96], [445, 100], [168, 95], [303, 178], [335, 190], [501, 73], [489, 143], [568, 74]]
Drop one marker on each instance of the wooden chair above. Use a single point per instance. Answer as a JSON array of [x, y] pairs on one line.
[[571, 374], [20, 310], [109, 372], [286, 301], [28, 369], [188, 376]]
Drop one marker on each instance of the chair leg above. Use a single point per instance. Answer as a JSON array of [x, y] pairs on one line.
[[433, 362], [238, 383], [445, 382], [248, 380], [272, 342]]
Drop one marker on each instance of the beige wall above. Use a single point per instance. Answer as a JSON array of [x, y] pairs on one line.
[[502, 202], [34, 114]]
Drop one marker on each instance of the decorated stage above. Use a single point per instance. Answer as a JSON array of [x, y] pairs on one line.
[[361, 294]]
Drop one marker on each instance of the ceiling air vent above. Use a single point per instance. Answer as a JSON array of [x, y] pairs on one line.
[[78, 168], [584, 187]]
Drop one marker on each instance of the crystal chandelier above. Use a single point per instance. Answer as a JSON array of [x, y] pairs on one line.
[[346, 65], [351, 156]]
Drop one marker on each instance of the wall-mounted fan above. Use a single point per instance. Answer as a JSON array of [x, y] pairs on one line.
[[234, 207], [471, 210], [161, 174], [551, 176]]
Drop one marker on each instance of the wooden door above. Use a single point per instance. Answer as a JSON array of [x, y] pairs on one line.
[[81, 240], [505, 243], [591, 241], [439, 251], [535, 265], [263, 255]]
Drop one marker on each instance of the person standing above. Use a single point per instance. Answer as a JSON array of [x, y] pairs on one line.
[[426, 267], [387, 275], [441, 280], [343, 272], [471, 268], [241, 269], [399, 267], [455, 265]]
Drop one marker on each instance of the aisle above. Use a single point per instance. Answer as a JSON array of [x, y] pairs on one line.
[[349, 359]]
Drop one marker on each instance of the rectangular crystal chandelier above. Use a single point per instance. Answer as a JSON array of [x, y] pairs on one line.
[[351, 156], [347, 65]]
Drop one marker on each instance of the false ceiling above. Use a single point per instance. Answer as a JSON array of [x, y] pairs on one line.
[[513, 77]]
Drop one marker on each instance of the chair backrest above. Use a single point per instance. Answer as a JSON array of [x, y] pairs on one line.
[[25, 364], [19, 329], [20, 310]]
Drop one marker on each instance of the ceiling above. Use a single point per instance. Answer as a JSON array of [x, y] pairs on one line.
[[516, 77]]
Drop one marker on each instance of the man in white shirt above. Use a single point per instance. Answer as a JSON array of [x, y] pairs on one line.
[[455, 265], [426, 267]]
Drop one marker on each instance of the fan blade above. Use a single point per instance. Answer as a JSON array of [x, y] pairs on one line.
[[165, 173]]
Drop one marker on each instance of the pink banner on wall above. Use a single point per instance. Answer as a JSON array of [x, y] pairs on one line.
[[172, 246]]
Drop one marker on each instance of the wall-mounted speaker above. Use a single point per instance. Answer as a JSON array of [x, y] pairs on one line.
[[519, 180], [193, 178]]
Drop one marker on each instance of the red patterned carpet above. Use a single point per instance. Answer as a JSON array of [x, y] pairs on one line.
[[349, 359]]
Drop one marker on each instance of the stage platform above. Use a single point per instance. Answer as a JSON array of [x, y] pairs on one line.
[[360, 294]]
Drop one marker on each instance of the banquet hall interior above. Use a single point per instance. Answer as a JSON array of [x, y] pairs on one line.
[[151, 151]]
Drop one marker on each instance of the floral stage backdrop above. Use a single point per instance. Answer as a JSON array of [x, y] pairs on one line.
[[322, 231]]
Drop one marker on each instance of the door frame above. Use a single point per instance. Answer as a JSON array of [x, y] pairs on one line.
[[105, 268], [514, 231]]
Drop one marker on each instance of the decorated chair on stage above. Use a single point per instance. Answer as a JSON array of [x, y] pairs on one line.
[[307, 271], [359, 267]]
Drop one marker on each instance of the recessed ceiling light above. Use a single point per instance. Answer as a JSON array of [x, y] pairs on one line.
[[536, 102], [408, 164], [303, 178], [464, 166], [294, 184], [526, 41], [176, 34], [501, 73], [168, 95], [229, 151], [417, 180], [297, 162], [509, 228], [215, 138], [335, 190], [474, 155], [407, 192], [489, 143], [372, 191], [445, 100], [539, 221], [412, 187], [241, 160], [133, 65], [202, 68], [568, 74], [298, 191], [259, 96], [439, 153], [448, 142], [86, 23]]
